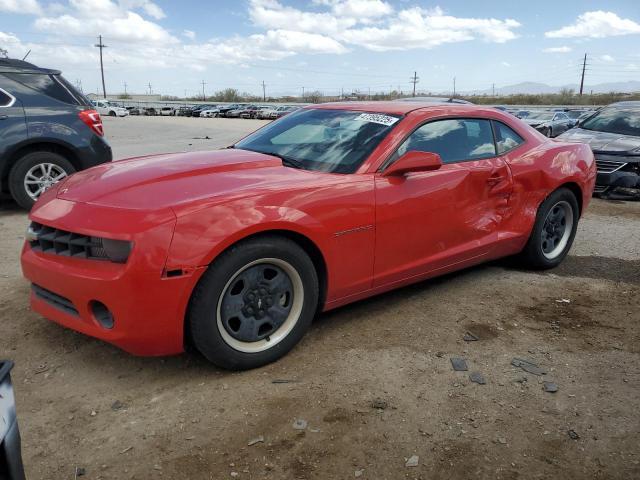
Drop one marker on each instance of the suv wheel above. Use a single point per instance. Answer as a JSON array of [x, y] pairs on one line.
[[34, 173], [112, 113]]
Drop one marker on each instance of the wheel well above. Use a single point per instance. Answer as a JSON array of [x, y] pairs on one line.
[[577, 191], [37, 147], [306, 244]]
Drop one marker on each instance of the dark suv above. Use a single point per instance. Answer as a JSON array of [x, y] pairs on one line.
[[48, 130]]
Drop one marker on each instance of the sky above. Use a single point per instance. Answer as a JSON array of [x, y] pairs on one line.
[[325, 45]]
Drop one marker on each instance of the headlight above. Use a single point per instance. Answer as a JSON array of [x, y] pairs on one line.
[[115, 250]]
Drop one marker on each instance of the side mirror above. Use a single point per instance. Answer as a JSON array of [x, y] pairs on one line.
[[414, 161]]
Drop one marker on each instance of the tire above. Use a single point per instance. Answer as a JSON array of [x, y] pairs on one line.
[[553, 232], [112, 113], [33, 166], [279, 274]]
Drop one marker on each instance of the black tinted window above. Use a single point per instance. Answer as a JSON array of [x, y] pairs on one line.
[[506, 138], [454, 140], [5, 99], [625, 121], [48, 85]]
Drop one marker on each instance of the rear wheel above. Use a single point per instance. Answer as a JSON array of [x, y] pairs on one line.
[[112, 113], [554, 230], [254, 303], [34, 173]]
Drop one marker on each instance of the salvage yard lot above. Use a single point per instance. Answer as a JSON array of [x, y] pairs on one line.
[[373, 380]]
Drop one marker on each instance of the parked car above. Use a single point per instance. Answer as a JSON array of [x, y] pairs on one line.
[[237, 113], [613, 133], [105, 107], [250, 111], [550, 124], [225, 109], [210, 112], [523, 113], [11, 467], [48, 130], [135, 110], [265, 113], [235, 251], [150, 111], [184, 111], [195, 111], [282, 111], [167, 111]]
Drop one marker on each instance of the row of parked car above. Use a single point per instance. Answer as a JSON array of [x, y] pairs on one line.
[[551, 123], [237, 110]]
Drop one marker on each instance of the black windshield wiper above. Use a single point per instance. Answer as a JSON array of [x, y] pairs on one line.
[[287, 161]]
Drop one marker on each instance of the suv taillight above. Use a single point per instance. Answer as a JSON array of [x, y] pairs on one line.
[[93, 121]]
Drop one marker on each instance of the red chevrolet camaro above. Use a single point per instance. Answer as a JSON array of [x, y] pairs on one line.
[[235, 251]]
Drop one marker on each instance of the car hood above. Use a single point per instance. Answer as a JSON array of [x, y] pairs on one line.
[[534, 121], [603, 141], [174, 180]]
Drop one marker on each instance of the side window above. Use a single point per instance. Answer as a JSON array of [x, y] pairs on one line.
[[6, 100], [45, 84], [454, 140], [506, 138]]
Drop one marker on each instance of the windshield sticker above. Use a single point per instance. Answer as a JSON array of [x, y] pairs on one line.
[[377, 118]]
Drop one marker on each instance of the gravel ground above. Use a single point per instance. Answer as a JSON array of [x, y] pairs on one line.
[[372, 380]]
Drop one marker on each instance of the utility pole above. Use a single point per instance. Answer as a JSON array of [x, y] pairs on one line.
[[584, 66], [341, 93], [454, 86], [369, 93], [493, 89], [264, 92], [204, 97], [414, 80], [149, 85], [303, 94], [100, 45], [125, 88]]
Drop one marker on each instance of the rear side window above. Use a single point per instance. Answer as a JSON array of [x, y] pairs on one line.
[[5, 99], [53, 86], [454, 140], [506, 138]]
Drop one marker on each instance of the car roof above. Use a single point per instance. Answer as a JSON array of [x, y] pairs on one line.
[[12, 65], [402, 108]]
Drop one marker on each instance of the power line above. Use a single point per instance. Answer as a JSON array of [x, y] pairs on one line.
[[100, 45]]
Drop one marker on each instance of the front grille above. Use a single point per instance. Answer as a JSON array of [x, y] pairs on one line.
[[608, 166], [54, 299], [67, 244]]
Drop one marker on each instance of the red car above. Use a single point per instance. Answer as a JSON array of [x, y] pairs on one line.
[[235, 251]]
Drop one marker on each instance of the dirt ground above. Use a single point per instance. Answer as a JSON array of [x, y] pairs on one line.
[[373, 380]]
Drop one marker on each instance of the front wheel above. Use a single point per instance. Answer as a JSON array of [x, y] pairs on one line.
[[254, 303], [34, 173], [554, 230]]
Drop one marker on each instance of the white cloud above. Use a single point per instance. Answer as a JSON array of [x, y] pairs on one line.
[[190, 34], [563, 49], [505, 64], [607, 58], [31, 7], [597, 24]]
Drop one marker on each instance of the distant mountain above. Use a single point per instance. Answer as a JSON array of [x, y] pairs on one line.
[[540, 88]]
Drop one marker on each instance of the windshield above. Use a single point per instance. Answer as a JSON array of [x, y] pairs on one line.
[[335, 141], [625, 121]]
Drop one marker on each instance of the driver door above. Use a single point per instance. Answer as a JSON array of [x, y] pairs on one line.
[[428, 221]]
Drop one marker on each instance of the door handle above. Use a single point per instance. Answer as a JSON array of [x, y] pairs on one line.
[[494, 180]]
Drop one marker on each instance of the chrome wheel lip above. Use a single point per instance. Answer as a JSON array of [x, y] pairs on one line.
[[288, 325], [553, 222], [41, 177]]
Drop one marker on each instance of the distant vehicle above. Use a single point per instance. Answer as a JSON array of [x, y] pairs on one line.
[[48, 130], [184, 111], [211, 112], [105, 107], [135, 110], [613, 133], [150, 111], [523, 113], [237, 113], [197, 109], [282, 111], [167, 111], [225, 109], [11, 467], [266, 112], [250, 112], [550, 124], [235, 251]]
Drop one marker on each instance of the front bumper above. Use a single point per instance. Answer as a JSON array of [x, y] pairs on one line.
[[148, 307], [615, 171]]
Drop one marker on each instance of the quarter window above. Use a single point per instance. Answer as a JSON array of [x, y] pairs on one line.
[[5, 99], [453, 139], [506, 138]]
